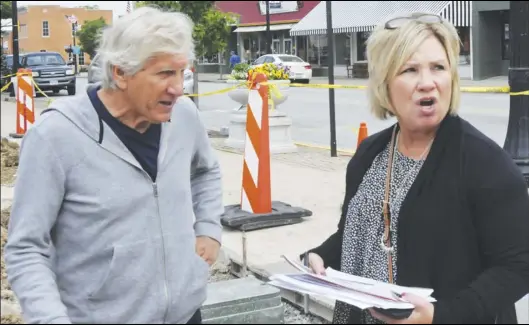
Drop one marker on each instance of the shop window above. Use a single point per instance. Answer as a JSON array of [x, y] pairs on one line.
[[361, 47]]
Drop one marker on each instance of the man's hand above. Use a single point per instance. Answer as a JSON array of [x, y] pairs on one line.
[[422, 314], [208, 249]]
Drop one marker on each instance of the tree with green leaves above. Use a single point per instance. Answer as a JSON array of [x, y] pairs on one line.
[[89, 35], [6, 9], [4, 69], [212, 27], [6, 14], [90, 7]]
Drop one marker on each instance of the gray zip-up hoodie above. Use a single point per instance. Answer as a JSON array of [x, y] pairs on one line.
[[92, 239]]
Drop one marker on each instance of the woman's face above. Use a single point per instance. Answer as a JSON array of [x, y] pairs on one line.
[[422, 90]]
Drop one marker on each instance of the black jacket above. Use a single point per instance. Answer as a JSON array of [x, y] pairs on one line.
[[463, 227]]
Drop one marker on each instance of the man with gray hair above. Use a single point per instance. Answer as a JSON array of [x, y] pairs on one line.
[[118, 197]]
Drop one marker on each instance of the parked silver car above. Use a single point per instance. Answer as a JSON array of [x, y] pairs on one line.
[[94, 75]]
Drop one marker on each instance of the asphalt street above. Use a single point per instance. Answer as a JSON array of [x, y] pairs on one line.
[[309, 110]]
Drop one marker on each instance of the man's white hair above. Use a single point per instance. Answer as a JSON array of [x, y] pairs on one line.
[[140, 35]]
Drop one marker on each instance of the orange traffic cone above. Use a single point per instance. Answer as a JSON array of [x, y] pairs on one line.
[[362, 134]]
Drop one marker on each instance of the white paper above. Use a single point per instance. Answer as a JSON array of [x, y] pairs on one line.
[[357, 291]]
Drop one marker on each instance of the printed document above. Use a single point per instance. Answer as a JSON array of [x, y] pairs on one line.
[[354, 290]]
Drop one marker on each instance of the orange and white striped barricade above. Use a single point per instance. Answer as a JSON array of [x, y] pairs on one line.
[[257, 210], [256, 196], [25, 93]]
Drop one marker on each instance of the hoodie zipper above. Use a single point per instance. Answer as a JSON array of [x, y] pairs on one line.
[[165, 286]]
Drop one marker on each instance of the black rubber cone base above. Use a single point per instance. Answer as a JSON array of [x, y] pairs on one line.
[[282, 214]]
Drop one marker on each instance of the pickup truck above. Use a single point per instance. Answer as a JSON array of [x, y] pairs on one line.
[[50, 71]]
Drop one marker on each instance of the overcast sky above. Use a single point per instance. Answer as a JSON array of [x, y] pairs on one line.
[[118, 7]]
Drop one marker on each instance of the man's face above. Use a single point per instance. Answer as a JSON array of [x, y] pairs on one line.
[[153, 91]]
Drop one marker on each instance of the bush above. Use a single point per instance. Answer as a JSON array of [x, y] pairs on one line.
[[240, 71]]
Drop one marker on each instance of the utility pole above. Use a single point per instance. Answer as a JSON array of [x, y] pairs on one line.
[[517, 139], [268, 34], [330, 61], [74, 30], [16, 50]]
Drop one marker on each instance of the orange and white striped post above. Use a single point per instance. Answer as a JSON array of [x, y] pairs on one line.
[[256, 196], [25, 103]]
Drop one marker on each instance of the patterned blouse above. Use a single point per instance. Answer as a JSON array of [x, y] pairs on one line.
[[362, 254]]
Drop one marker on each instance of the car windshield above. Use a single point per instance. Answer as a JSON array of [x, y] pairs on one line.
[[290, 58], [45, 59]]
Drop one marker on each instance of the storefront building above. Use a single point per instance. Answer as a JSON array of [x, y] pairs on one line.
[[490, 39], [249, 36], [354, 21]]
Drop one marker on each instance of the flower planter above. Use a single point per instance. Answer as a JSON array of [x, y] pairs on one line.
[[240, 94]]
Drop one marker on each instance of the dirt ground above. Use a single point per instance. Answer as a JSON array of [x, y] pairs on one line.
[[9, 161]]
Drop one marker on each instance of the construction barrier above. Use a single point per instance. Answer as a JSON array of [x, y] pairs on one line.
[[24, 92], [257, 210], [256, 194]]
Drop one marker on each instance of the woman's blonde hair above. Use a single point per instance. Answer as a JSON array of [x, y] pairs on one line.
[[389, 49]]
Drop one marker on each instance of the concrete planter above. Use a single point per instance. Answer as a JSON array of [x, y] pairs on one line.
[[279, 123], [240, 94]]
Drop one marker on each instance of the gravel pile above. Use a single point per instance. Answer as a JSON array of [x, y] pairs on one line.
[[294, 315]]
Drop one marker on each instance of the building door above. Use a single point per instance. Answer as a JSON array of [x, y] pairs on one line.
[[361, 45], [276, 46], [287, 46]]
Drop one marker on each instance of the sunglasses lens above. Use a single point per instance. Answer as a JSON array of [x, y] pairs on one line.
[[397, 22], [429, 19]]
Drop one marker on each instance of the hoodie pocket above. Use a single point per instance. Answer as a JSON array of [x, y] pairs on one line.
[[130, 290], [187, 277]]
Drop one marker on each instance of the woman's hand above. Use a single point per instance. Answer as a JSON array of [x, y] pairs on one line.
[[316, 264], [422, 314]]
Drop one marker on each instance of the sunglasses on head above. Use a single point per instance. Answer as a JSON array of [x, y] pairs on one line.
[[421, 17]]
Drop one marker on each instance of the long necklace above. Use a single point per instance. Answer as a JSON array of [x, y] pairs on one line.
[[385, 240]]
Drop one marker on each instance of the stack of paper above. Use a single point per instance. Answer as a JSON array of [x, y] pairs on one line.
[[357, 291]]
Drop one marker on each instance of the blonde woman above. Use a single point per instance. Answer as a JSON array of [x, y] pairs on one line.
[[431, 201]]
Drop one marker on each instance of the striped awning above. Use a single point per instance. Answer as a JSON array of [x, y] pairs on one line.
[[363, 16], [251, 29]]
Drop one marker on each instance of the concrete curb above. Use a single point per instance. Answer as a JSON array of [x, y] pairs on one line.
[[219, 81], [318, 306], [7, 196], [326, 148]]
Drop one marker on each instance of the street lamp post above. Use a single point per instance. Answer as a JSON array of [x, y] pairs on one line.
[[517, 139], [268, 34], [330, 58], [75, 56], [15, 45]]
